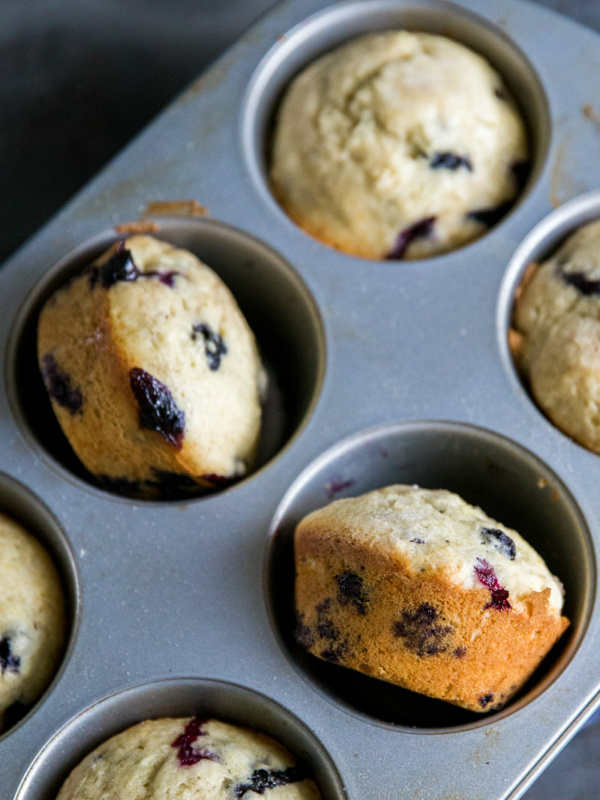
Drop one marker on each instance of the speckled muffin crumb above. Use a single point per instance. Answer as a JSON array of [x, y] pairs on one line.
[[188, 759], [556, 335], [153, 372], [418, 588], [398, 145], [32, 620]]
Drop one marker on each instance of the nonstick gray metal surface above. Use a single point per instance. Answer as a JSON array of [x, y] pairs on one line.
[[380, 372]]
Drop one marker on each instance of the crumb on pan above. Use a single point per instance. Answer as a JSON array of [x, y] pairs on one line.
[[179, 208], [141, 226]]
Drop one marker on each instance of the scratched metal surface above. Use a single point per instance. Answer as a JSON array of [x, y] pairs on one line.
[[176, 590]]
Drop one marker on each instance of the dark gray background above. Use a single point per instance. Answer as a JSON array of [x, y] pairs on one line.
[[78, 78]]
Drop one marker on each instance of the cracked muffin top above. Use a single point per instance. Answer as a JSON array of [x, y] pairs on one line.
[[398, 145]]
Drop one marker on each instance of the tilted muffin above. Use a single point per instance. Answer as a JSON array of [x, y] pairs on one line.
[[153, 372], [188, 759], [32, 620], [556, 341], [420, 589], [398, 145]]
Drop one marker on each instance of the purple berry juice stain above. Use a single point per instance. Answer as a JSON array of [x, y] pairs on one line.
[[187, 754], [486, 576], [336, 486]]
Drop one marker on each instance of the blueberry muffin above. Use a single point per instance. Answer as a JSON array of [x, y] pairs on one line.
[[188, 759], [32, 620], [398, 145], [152, 371], [420, 589], [556, 336]]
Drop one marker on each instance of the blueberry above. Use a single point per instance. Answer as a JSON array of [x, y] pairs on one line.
[[581, 282], [451, 161], [262, 779], [501, 541], [486, 575], [186, 753], [8, 661], [58, 386], [422, 632], [460, 652], [418, 230], [351, 590], [119, 267], [214, 346], [158, 410], [486, 699]]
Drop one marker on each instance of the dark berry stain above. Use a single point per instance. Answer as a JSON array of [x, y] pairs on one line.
[[500, 541], [418, 230], [325, 626], [220, 481], [303, 634], [327, 630], [262, 779], [119, 267], [214, 346], [422, 632], [580, 281], [335, 487], [9, 662], [460, 652], [491, 216], [120, 485], [58, 386], [486, 699], [351, 591], [158, 410], [323, 606], [187, 754], [417, 541], [486, 575], [172, 485], [450, 161], [521, 170], [335, 654]]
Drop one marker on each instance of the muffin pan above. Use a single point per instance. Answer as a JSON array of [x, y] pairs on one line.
[[381, 372]]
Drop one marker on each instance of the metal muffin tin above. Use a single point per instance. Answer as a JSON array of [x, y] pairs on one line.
[[380, 372]]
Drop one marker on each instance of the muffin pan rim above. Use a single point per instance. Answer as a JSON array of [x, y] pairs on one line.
[[252, 116]]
